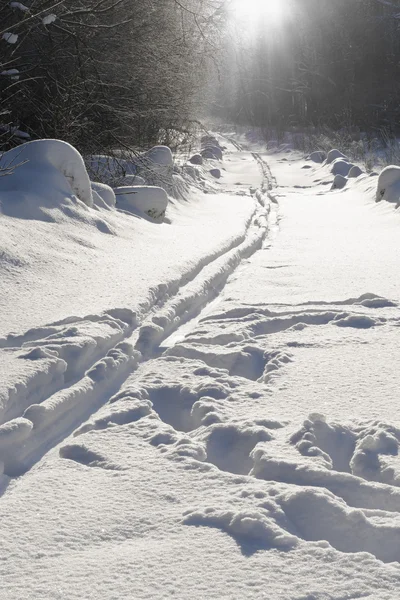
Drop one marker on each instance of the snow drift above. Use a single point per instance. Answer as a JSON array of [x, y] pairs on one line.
[[45, 167], [146, 200]]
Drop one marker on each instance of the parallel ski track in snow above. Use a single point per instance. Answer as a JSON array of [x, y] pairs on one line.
[[54, 406]]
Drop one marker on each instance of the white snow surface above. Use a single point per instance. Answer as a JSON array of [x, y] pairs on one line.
[[204, 407]]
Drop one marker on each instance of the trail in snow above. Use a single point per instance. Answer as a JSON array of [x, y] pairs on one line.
[[79, 362], [241, 440]]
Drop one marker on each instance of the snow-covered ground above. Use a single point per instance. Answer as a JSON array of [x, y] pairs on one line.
[[224, 424]]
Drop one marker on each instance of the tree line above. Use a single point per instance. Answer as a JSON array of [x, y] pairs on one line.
[[103, 73], [329, 62]]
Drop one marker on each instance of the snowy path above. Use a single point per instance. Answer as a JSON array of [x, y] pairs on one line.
[[246, 438]]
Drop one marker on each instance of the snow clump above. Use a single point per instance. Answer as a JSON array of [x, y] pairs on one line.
[[341, 167], [44, 166], [339, 182], [318, 156], [355, 171], [333, 155], [146, 200], [388, 187], [196, 159]]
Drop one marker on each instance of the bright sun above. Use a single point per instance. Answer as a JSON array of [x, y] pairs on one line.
[[273, 11]]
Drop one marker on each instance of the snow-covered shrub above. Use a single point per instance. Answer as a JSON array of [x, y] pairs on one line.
[[157, 166], [209, 140], [318, 156], [339, 182], [105, 192], [111, 170], [47, 169], [146, 200], [355, 171], [159, 156], [191, 171], [196, 159], [333, 155], [388, 187], [341, 167]]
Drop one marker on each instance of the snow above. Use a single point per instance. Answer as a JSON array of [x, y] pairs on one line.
[[335, 154], [196, 410], [20, 6], [12, 73], [9, 37], [146, 200], [48, 19], [44, 167], [196, 159], [388, 187]]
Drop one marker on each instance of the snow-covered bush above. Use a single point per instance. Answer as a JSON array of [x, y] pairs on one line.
[[145, 200], [388, 187], [333, 155], [157, 166], [341, 167], [47, 168], [111, 170], [159, 156]]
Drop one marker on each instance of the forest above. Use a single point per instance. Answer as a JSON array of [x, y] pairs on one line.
[[107, 73]]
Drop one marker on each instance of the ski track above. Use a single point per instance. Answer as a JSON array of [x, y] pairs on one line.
[[324, 482], [76, 364]]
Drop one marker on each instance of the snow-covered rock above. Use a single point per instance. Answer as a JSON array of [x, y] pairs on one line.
[[333, 155], [196, 159], [146, 200], [212, 152], [355, 171], [388, 187], [341, 167], [339, 182], [159, 155], [49, 169], [318, 156], [215, 173]]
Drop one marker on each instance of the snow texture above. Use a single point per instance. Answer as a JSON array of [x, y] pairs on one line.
[[227, 427]]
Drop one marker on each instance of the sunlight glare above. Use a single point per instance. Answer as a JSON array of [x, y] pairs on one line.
[[273, 11]]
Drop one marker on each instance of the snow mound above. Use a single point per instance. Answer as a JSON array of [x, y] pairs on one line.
[[105, 192], [341, 167], [44, 166], [333, 155], [212, 153], [196, 159], [355, 171], [146, 200], [388, 187], [159, 155], [318, 156], [339, 182]]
